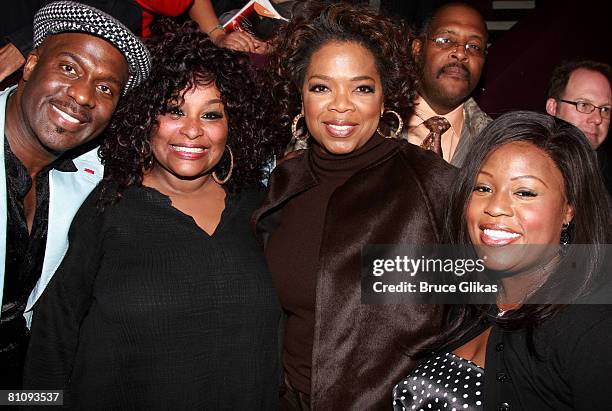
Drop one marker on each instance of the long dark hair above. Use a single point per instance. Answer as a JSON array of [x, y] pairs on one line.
[[183, 57], [585, 192], [315, 24]]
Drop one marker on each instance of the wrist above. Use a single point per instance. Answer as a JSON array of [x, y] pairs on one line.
[[216, 32]]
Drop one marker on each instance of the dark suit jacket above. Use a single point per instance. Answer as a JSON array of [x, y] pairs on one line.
[[359, 350]]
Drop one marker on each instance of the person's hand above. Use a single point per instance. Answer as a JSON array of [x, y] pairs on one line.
[[240, 41], [11, 59]]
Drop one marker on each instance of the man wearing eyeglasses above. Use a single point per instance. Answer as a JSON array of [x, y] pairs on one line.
[[450, 53], [580, 93]]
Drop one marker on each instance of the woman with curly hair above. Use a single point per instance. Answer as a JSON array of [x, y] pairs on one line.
[[341, 72], [163, 300]]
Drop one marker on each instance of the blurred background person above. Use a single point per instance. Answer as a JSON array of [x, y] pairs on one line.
[[164, 299], [345, 80], [203, 12], [580, 92], [531, 187]]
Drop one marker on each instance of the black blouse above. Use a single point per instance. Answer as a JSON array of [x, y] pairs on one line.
[[148, 311], [569, 370]]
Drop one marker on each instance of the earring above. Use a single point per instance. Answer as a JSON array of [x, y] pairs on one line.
[[400, 125], [294, 131], [564, 235], [229, 173], [147, 156]]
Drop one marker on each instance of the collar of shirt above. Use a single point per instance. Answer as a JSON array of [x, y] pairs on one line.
[[417, 131], [19, 176]]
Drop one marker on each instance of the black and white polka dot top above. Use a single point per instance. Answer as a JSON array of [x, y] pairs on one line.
[[444, 382]]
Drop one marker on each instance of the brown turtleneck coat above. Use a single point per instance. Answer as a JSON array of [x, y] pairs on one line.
[[319, 213]]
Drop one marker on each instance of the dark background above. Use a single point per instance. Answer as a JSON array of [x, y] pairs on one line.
[[521, 59]]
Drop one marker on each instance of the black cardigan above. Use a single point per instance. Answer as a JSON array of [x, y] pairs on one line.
[[571, 370]]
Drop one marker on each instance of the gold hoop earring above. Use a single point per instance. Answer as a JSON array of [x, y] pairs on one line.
[[229, 173], [400, 125], [294, 131]]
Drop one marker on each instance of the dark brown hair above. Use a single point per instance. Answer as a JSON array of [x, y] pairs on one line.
[[313, 25], [585, 192]]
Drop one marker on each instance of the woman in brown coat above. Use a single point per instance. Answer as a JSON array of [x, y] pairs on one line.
[[341, 72]]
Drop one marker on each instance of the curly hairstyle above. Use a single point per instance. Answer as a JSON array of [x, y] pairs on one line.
[[183, 57], [584, 191], [315, 24]]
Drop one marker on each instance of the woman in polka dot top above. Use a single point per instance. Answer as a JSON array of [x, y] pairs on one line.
[[531, 185]]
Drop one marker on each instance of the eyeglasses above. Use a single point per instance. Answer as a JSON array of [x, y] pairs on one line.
[[588, 108], [471, 49]]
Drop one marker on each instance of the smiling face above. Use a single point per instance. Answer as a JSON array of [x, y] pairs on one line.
[[448, 76], [71, 86], [190, 139], [519, 199], [342, 96], [590, 87]]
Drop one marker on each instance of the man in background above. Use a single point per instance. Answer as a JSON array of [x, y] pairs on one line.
[[579, 93], [450, 54]]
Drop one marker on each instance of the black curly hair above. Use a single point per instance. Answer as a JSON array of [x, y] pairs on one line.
[[183, 57], [313, 25]]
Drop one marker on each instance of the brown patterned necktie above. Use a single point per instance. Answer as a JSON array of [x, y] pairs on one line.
[[437, 126]]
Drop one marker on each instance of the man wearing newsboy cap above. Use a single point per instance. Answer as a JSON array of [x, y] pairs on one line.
[[83, 61]]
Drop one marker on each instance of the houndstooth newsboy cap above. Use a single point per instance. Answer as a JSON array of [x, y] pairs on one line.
[[68, 16]]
